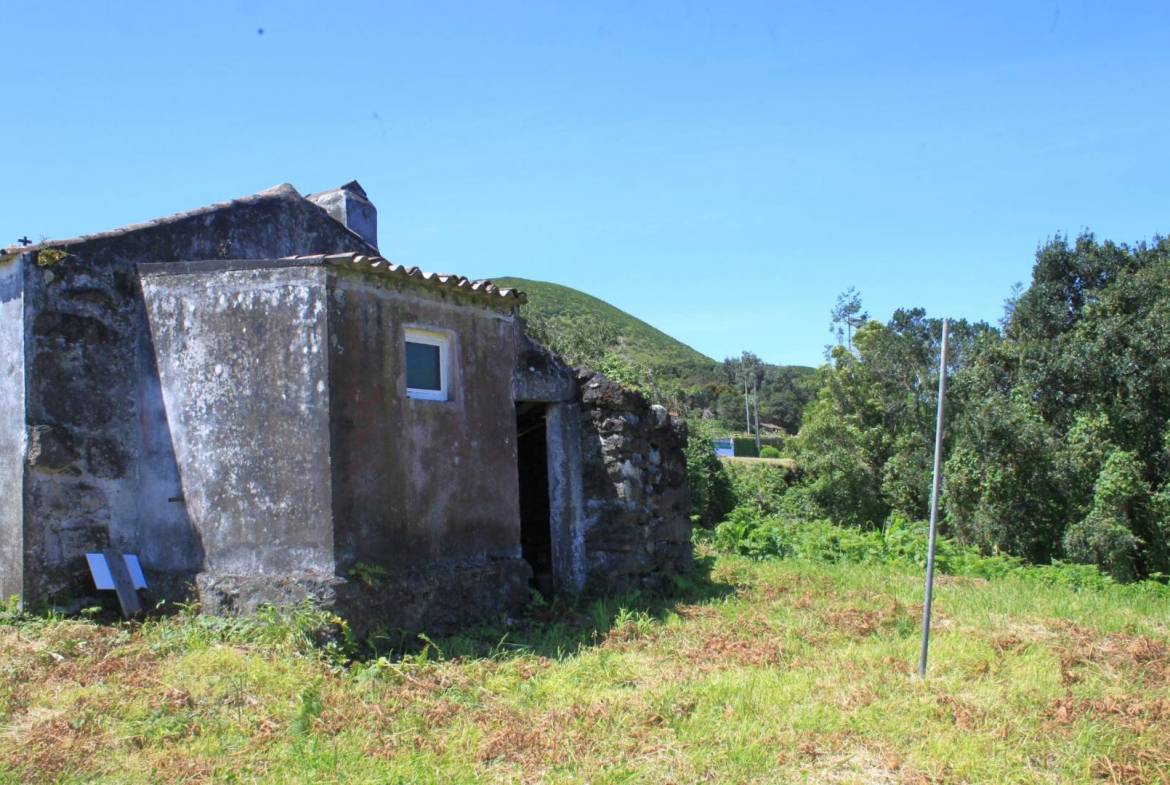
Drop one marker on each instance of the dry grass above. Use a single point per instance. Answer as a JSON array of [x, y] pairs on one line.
[[774, 672]]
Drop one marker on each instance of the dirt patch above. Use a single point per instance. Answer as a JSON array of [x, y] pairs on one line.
[[521, 742], [52, 743], [536, 743], [961, 713], [738, 643], [873, 765], [775, 593], [720, 651], [181, 768], [1008, 644], [441, 713], [858, 623]]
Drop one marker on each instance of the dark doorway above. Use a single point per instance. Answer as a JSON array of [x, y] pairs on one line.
[[532, 462]]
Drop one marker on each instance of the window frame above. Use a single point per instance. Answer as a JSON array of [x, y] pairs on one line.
[[428, 337]]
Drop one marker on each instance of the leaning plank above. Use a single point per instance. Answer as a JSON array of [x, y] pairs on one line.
[[123, 584]]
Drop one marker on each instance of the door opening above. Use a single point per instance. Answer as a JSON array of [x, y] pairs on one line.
[[532, 462]]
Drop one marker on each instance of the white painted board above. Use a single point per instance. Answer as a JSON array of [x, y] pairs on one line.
[[100, 570], [135, 570]]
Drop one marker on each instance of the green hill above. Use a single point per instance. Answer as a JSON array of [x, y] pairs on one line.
[[588, 331], [579, 326]]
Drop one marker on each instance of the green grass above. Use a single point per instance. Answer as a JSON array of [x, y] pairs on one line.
[[756, 672]]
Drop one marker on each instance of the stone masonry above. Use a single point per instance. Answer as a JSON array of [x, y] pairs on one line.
[[637, 522]]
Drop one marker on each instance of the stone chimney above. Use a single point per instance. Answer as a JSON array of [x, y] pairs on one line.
[[350, 205]]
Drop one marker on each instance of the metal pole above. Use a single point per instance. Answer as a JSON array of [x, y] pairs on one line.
[[756, 403], [938, 443], [747, 411]]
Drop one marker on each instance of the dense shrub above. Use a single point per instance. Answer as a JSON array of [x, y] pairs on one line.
[[760, 485], [768, 451], [900, 542], [711, 492], [745, 446], [1106, 535]]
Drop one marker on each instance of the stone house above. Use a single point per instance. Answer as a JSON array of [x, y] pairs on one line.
[[264, 409]]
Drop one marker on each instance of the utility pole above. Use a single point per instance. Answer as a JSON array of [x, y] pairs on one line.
[[934, 490]]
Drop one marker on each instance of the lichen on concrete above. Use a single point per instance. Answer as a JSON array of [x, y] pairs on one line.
[[223, 393]]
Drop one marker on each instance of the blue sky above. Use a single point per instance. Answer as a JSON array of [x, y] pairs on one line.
[[721, 170]]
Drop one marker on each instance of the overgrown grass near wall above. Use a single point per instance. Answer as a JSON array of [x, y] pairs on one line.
[[751, 671]]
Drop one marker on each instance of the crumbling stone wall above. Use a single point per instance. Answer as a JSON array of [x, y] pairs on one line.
[[637, 522]]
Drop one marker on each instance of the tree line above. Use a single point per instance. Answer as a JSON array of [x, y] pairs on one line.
[[1057, 444]]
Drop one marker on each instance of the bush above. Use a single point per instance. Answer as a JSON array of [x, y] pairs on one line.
[[745, 446], [759, 485], [902, 543], [711, 494], [1105, 536], [768, 451]]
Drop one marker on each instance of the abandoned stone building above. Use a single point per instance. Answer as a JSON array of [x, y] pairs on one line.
[[254, 401]]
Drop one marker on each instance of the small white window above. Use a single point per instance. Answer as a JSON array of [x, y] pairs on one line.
[[426, 364]]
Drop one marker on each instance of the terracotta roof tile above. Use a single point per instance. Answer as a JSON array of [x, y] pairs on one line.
[[381, 266]]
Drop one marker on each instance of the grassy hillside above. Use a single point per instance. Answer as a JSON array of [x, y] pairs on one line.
[[642, 343], [755, 672], [588, 331]]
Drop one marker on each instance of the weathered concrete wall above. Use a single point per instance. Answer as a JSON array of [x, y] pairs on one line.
[[103, 471], [637, 524], [566, 491], [12, 419], [244, 368], [425, 490], [541, 376], [316, 460]]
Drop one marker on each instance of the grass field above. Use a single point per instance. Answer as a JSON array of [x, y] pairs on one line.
[[757, 672]]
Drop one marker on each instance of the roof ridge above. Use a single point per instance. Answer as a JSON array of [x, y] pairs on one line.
[[284, 189]]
